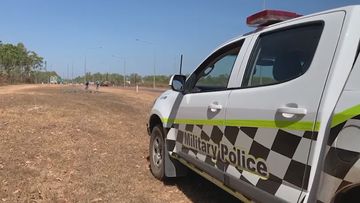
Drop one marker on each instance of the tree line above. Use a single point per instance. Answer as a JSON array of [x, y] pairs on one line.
[[148, 80], [20, 65], [118, 79]]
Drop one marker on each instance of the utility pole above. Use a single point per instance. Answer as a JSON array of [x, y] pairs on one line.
[[48, 79], [85, 70], [100, 47], [122, 58], [72, 73], [154, 80], [124, 72], [151, 44], [264, 4], [67, 72]]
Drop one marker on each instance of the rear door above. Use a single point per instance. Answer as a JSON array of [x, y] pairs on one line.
[[271, 119]]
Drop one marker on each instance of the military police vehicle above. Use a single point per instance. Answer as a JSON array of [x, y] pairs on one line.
[[271, 116]]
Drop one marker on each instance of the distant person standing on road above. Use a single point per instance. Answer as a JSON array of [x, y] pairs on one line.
[[97, 85], [86, 85]]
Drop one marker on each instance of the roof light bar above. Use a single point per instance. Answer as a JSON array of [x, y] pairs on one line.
[[268, 17]]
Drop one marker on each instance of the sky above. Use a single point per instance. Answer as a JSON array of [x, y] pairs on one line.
[[142, 35]]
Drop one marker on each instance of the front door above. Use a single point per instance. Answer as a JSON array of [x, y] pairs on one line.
[[200, 118]]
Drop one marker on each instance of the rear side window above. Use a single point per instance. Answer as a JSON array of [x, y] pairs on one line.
[[282, 55]]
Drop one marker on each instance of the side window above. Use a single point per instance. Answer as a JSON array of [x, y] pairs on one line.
[[282, 55], [214, 73]]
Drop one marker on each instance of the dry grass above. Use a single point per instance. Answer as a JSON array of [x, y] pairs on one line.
[[62, 144]]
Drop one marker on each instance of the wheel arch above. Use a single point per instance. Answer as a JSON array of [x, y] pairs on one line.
[[154, 120], [173, 168], [347, 194]]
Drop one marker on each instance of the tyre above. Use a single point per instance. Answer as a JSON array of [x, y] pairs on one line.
[[157, 153], [349, 194]]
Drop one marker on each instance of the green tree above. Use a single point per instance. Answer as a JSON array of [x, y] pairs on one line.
[[17, 64], [135, 78]]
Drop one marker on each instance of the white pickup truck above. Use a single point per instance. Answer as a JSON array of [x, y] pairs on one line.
[[270, 116]]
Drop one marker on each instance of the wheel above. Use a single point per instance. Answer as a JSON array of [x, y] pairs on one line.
[[157, 153]]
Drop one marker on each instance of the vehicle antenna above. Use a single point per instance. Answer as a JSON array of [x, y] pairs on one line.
[[264, 4], [181, 61]]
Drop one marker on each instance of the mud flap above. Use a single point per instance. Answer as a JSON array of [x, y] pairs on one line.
[[173, 168]]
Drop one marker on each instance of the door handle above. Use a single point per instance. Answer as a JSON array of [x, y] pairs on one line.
[[215, 107], [289, 112]]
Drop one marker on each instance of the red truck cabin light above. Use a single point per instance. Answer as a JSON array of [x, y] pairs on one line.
[[268, 17]]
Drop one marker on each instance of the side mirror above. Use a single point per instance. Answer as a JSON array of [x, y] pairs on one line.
[[177, 82]]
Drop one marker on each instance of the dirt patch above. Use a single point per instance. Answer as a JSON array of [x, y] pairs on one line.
[[10, 89], [63, 144]]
